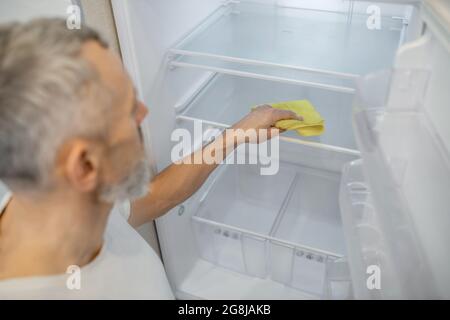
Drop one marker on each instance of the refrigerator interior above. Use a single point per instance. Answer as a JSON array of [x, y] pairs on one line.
[[243, 235]]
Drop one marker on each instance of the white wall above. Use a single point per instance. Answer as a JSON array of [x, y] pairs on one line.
[[23, 10], [98, 15]]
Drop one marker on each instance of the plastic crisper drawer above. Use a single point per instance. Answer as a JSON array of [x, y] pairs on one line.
[[237, 214], [308, 232], [285, 227]]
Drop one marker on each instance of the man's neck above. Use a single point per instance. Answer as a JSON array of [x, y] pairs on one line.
[[44, 236]]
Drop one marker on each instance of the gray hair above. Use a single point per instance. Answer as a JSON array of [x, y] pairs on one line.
[[48, 94]]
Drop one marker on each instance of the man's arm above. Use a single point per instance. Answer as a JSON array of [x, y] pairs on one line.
[[178, 182]]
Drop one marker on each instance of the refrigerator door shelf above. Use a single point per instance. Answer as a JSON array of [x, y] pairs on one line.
[[284, 37], [271, 226], [225, 99], [364, 239]]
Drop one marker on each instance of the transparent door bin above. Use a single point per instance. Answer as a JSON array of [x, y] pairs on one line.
[[367, 241], [392, 90], [359, 225], [256, 225]]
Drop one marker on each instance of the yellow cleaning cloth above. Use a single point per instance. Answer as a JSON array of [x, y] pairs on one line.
[[312, 125]]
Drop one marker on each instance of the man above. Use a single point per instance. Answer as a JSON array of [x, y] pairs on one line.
[[70, 147]]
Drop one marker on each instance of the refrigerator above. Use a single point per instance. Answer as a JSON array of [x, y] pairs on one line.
[[360, 212]]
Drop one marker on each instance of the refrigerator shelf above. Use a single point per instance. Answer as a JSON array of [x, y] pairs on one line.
[[269, 226], [285, 42], [224, 99], [275, 73]]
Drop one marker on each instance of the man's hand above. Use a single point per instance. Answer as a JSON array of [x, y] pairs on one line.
[[263, 117], [176, 183]]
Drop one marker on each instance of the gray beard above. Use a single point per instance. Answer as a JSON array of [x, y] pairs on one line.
[[134, 186]]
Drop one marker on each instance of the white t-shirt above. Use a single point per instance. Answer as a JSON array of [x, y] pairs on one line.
[[126, 268]]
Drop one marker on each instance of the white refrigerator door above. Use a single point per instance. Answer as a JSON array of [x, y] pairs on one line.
[[395, 202]]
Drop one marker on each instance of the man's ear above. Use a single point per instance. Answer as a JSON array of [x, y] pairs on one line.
[[81, 164]]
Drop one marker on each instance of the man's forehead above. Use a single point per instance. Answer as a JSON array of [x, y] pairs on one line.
[[109, 67]]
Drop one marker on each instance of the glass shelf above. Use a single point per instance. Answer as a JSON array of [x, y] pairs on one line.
[[324, 80], [312, 40], [226, 99]]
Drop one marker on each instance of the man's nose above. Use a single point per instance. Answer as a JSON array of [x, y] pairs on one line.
[[141, 113]]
